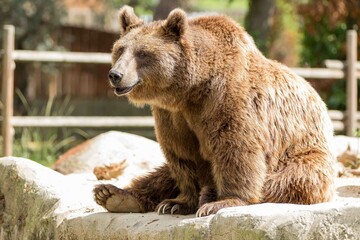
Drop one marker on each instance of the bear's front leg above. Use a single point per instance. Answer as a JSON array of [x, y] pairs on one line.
[[239, 173], [183, 171], [143, 195]]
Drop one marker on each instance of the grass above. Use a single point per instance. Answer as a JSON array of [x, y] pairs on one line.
[[44, 145]]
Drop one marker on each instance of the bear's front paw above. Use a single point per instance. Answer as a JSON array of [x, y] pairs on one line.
[[173, 206], [115, 199]]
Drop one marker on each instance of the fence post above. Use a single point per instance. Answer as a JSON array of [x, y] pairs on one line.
[[351, 82], [8, 88]]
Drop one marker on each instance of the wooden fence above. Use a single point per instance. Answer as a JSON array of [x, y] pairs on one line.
[[335, 70]]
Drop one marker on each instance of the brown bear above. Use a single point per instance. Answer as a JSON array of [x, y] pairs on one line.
[[235, 127]]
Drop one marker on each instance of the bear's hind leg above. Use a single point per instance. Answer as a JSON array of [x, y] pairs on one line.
[[143, 195], [306, 178]]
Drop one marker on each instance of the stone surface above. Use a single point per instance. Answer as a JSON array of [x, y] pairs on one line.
[[141, 155], [39, 203], [342, 142]]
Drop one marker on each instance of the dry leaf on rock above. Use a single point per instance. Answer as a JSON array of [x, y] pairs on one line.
[[349, 159], [108, 172]]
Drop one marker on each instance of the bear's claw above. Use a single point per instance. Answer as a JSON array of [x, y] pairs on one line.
[[213, 207], [174, 209], [171, 207], [208, 209], [167, 208], [163, 209]]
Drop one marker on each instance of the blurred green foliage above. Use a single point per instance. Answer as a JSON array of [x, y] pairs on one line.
[[326, 42], [324, 27], [323, 42], [44, 145], [141, 6], [35, 21], [337, 98]]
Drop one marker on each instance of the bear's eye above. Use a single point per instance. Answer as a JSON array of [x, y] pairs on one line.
[[142, 54], [120, 51], [117, 53]]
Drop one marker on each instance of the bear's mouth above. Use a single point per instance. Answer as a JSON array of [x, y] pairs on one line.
[[120, 91]]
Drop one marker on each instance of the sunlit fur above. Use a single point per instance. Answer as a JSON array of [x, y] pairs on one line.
[[233, 125]]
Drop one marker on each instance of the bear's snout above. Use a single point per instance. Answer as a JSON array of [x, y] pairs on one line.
[[114, 77]]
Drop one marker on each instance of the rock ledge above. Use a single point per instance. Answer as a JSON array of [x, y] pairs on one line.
[[39, 203]]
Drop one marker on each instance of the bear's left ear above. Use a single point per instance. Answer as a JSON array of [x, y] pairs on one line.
[[128, 20], [176, 23]]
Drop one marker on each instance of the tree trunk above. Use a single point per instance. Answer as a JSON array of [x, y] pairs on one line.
[[164, 7], [259, 21]]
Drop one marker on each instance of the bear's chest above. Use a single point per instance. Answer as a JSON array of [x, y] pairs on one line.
[[174, 134]]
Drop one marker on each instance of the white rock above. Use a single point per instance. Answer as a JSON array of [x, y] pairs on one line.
[[36, 199], [341, 143], [39, 203], [141, 154]]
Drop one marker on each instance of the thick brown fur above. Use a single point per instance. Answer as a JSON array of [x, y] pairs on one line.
[[233, 125]]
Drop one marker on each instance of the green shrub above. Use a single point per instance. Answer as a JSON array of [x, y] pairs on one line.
[[44, 145]]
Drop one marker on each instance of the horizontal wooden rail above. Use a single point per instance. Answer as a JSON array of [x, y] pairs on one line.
[[337, 118], [338, 126], [339, 115], [337, 64], [62, 57], [340, 65], [319, 73], [336, 115], [105, 122]]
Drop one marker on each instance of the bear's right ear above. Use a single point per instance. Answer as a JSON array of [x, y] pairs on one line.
[[128, 20]]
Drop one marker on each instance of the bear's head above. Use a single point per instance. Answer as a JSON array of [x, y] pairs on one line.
[[149, 61]]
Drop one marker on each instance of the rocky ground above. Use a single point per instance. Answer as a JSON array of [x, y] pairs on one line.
[[40, 203]]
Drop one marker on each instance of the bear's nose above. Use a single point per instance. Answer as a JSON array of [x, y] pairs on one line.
[[115, 77]]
